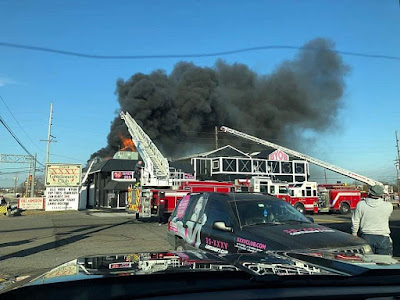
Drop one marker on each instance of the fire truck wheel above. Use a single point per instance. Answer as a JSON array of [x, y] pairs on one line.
[[179, 245], [299, 207], [344, 208]]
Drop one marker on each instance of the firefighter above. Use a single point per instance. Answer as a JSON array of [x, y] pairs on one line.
[[371, 216], [138, 171], [161, 208]]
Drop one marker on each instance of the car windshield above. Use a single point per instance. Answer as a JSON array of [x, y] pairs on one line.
[[272, 212], [113, 112]]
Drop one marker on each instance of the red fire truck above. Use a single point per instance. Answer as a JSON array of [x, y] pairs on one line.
[[145, 201], [303, 195], [338, 198]]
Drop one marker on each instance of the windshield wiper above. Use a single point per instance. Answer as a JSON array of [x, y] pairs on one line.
[[295, 221], [266, 223]]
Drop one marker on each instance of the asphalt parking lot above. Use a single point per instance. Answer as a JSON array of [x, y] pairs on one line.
[[37, 241]]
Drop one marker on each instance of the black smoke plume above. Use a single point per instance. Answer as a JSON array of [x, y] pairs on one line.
[[180, 110]]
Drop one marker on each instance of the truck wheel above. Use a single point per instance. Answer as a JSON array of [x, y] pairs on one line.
[[179, 245], [344, 208], [299, 207]]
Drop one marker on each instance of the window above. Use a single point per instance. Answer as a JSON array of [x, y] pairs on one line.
[[286, 167], [283, 189], [263, 188], [272, 190], [314, 193], [195, 208], [303, 193], [309, 193], [180, 210], [219, 211], [264, 211]]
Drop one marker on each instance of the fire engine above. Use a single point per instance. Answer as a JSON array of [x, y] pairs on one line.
[[160, 185], [338, 198], [170, 197], [302, 195], [327, 202]]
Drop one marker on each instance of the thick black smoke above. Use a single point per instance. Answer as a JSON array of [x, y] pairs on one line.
[[179, 111]]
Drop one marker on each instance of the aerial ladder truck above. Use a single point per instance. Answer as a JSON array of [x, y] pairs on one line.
[[160, 185], [344, 208]]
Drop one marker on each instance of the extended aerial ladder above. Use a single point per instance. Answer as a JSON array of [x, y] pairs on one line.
[[305, 157], [156, 167]]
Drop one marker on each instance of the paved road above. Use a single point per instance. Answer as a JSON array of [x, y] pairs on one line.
[[38, 241], [43, 241]]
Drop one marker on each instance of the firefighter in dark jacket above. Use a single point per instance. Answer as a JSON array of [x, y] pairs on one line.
[[138, 171], [161, 208]]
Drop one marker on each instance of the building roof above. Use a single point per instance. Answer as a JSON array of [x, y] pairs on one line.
[[117, 185], [226, 151], [114, 165], [263, 154]]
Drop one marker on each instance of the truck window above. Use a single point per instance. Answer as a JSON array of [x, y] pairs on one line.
[[282, 189], [309, 193], [180, 210], [272, 190], [303, 193], [315, 193], [219, 211], [263, 188], [195, 210]]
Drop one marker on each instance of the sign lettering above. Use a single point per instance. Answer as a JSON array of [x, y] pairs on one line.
[[63, 175]]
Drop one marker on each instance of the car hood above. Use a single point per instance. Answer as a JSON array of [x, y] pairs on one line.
[[255, 264], [302, 236]]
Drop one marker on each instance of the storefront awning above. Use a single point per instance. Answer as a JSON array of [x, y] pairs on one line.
[[117, 185]]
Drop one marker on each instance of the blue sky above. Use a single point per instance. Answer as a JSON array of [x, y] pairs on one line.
[[82, 90]]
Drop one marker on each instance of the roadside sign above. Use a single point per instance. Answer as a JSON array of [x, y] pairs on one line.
[[62, 198], [278, 155], [63, 174], [30, 203], [122, 176]]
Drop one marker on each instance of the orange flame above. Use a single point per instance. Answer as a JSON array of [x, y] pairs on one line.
[[127, 144]]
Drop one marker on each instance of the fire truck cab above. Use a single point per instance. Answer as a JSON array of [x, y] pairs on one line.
[[303, 196], [276, 188], [338, 198]]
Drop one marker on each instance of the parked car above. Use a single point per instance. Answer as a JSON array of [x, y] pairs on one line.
[[251, 222]]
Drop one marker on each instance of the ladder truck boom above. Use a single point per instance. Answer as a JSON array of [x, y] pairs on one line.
[[156, 165], [305, 157]]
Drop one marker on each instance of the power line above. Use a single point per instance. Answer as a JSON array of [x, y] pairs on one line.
[[72, 158], [16, 138], [191, 55], [20, 124]]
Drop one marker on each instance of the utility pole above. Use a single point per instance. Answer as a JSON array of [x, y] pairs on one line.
[[33, 176], [15, 183], [398, 164], [49, 133], [27, 181], [49, 136], [216, 137]]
